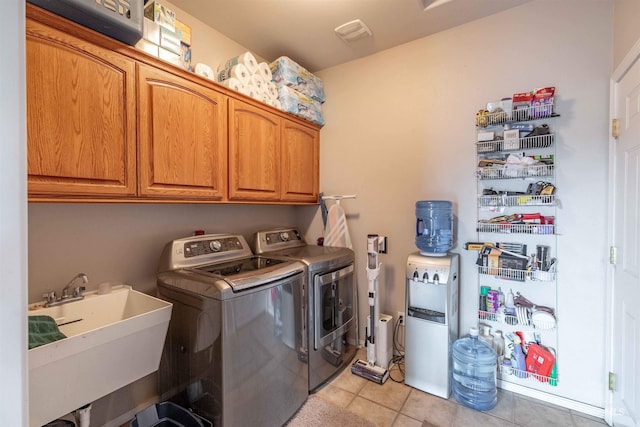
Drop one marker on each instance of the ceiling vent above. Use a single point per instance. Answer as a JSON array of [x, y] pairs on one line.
[[353, 30]]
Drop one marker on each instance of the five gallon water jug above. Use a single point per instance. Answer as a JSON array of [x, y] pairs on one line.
[[434, 227], [474, 372]]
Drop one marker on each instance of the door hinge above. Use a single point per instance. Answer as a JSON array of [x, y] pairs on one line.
[[614, 128], [612, 381], [613, 255]]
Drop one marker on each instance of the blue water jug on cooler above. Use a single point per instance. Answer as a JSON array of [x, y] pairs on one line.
[[434, 227], [474, 372]]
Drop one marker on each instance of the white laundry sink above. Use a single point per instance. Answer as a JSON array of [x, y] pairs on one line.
[[112, 340]]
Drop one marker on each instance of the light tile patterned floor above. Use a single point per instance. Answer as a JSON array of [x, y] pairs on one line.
[[395, 404]]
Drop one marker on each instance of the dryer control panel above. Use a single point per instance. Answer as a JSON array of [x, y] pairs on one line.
[[276, 239]]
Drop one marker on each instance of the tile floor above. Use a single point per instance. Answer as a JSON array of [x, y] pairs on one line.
[[395, 404]]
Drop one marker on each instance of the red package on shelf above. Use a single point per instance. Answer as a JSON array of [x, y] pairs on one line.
[[533, 218], [542, 103], [523, 98], [544, 93], [539, 361], [521, 104]]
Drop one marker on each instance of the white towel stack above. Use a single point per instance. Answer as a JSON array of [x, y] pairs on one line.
[[244, 74]]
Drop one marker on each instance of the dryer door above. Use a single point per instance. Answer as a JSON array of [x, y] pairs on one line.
[[334, 297]]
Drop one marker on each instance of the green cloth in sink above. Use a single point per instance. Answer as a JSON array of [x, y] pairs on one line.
[[43, 330]]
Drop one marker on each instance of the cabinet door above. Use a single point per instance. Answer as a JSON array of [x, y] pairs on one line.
[[300, 152], [254, 153], [80, 117], [182, 137]]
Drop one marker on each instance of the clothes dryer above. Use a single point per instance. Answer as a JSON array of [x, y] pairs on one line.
[[330, 300]]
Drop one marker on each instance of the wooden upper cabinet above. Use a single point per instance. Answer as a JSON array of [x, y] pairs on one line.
[[81, 123], [254, 153], [107, 122], [300, 162], [182, 137]]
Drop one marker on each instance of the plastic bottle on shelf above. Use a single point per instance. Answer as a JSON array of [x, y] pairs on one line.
[[518, 361], [508, 346], [509, 303], [505, 368], [498, 343], [492, 303], [500, 297], [485, 334], [482, 306], [474, 372]]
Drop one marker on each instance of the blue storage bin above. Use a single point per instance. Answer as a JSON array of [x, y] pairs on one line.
[[168, 414]]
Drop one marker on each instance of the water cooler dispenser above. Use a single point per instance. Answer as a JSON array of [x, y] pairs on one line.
[[431, 303], [431, 324]]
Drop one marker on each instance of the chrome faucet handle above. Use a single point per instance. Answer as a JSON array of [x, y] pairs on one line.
[[78, 291], [49, 297]]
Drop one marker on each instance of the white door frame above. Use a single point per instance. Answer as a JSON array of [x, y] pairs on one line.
[[13, 218], [630, 58]]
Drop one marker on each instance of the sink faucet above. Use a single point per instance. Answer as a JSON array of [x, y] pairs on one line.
[[77, 290], [76, 293]]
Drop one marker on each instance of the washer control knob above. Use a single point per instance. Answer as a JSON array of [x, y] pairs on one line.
[[425, 277], [436, 278], [415, 275], [284, 236], [215, 245]]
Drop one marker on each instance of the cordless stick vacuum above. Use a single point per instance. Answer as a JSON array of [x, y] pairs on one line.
[[371, 369]]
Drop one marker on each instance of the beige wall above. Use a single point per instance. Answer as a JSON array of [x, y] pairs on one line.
[[400, 128], [626, 30], [208, 46]]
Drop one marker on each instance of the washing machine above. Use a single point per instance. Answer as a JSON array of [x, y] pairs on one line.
[[233, 350], [330, 299]]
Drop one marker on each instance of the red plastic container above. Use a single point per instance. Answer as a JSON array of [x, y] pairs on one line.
[[539, 361]]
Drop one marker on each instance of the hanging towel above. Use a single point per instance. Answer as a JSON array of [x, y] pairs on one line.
[[43, 330], [336, 231]]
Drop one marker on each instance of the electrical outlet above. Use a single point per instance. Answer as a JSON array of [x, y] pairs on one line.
[[401, 318], [382, 244]]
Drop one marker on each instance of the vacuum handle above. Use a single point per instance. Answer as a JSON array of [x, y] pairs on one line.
[[372, 251], [372, 326]]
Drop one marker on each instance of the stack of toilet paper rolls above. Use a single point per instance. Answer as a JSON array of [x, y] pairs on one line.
[[244, 74], [299, 91]]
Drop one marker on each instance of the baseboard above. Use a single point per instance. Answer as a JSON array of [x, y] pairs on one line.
[[553, 399]]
